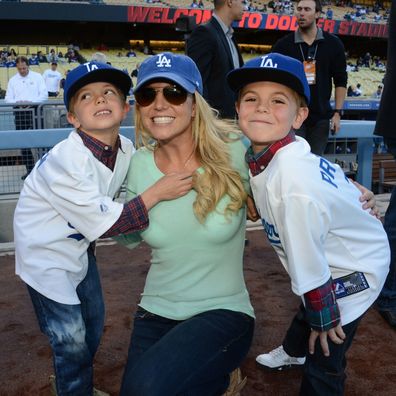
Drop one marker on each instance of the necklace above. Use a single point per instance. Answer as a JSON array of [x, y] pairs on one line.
[[189, 158], [187, 161]]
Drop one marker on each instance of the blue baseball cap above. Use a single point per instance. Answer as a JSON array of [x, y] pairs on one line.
[[273, 67], [179, 69], [91, 72]]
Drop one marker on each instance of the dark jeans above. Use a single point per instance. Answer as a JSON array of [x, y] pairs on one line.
[[387, 298], [74, 332], [25, 120], [323, 376], [316, 135], [192, 357]]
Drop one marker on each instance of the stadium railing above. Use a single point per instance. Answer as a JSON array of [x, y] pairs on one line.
[[39, 141]]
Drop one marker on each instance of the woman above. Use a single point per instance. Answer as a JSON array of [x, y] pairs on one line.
[[194, 324]]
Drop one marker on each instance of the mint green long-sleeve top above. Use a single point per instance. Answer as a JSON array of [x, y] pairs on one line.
[[194, 267]]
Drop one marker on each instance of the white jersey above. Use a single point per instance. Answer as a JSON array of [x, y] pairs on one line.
[[315, 222], [30, 88], [66, 203], [52, 79]]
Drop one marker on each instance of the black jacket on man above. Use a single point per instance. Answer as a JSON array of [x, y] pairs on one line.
[[210, 50], [329, 54]]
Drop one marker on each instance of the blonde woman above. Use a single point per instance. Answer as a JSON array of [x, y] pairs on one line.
[[194, 324]]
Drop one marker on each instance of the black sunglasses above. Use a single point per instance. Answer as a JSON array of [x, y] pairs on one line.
[[174, 94]]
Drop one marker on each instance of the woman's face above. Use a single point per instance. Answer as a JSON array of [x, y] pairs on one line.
[[166, 121]]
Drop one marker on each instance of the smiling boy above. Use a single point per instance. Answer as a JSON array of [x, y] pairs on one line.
[[67, 202], [336, 254]]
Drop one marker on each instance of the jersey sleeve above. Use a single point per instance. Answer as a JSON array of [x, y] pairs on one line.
[[75, 194], [303, 225]]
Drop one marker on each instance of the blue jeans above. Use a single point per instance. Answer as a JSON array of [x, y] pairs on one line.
[[323, 376], [74, 332], [316, 135], [387, 298], [192, 357]]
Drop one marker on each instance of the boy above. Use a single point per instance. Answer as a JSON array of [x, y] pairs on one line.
[[65, 205], [336, 254]]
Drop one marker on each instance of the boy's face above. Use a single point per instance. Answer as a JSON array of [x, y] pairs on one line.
[[267, 112], [97, 107]]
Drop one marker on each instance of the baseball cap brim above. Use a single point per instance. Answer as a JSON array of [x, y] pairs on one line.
[[187, 85], [238, 78], [113, 76]]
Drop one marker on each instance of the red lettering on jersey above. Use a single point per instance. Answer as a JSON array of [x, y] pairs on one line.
[[137, 14], [272, 22]]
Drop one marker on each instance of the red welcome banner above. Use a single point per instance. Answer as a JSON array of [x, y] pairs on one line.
[[255, 20]]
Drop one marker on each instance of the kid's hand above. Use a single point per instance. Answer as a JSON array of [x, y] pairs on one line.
[[171, 186], [368, 199], [335, 334], [251, 211]]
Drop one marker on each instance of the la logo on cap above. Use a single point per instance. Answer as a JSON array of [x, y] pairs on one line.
[[267, 62], [163, 61], [90, 66]]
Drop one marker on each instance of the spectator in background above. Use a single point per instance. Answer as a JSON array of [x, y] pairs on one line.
[[52, 57], [378, 93], [2, 93], [323, 56], [386, 302], [131, 53], [41, 57], [201, 4], [25, 89], [194, 4], [358, 90], [351, 91], [12, 55], [63, 80], [99, 57], [33, 60], [215, 51], [329, 13], [52, 80]]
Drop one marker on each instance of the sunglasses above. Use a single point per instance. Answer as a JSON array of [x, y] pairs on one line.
[[174, 94]]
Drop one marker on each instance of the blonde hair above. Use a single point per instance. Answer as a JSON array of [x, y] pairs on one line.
[[210, 135]]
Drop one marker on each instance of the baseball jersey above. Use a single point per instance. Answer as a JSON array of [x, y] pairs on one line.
[[52, 79], [66, 203], [313, 218], [30, 88]]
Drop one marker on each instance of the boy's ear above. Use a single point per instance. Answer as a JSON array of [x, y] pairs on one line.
[[302, 114], [127, 107], [71, 117]]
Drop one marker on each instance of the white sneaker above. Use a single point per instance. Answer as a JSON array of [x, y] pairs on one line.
[[278, 359]]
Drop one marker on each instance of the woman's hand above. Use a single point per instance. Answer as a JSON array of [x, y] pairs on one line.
[[368, 199]]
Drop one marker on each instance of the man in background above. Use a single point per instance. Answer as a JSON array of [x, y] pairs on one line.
[[52, 79], [215, 51], [323, 56], [25, 89]]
